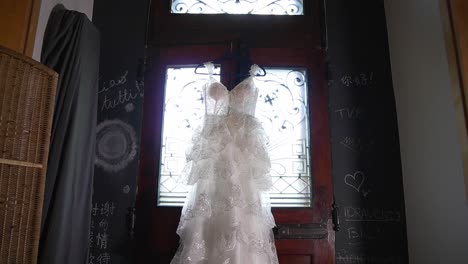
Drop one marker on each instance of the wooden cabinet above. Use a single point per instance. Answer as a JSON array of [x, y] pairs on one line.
[[18, 22]]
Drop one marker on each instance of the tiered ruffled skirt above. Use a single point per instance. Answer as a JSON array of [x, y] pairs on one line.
[[227, 218]]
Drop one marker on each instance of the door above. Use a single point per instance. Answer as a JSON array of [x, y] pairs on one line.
[[292, 107]]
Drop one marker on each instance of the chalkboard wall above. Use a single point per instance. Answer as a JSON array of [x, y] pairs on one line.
[[365, 148], [123, 28]]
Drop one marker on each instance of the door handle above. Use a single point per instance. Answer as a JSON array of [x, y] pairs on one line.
[[301, 231], [335, 218]]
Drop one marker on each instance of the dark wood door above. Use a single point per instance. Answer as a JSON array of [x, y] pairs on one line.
[[304, 233]]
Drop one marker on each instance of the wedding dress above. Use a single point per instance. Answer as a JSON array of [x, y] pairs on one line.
[[227, 218]]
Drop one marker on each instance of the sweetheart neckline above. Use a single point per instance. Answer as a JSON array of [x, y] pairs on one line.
[[225, 87]]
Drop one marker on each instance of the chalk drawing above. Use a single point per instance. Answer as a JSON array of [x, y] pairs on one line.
[[126, 189], [355, 180], [129, 107], [116, 145]]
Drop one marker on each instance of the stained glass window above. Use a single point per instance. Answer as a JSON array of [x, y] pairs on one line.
[[255, 7], [282, 108]]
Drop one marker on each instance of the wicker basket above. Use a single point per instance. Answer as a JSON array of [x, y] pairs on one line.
[[27, 96]]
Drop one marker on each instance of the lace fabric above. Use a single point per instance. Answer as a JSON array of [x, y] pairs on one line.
[[227, 218]]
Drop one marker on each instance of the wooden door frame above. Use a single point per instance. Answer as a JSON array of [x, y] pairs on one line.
[[306, 37], [151, 144], [32, 28], [454, 15]]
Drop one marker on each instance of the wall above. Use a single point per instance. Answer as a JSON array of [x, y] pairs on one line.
[[363, 124], [367, 176], [120, 106], [84, 6], [436, 208]]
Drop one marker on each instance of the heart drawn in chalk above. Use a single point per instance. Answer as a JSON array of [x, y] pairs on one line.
[[355, 180]]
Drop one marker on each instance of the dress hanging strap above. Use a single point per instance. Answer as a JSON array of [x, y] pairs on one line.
[[210, 67], [253, 70]]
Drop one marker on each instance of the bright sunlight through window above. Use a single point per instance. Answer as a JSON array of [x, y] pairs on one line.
[[254, 7], [282, 108]]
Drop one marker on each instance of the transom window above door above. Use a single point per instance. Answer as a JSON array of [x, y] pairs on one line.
[[254, 7], [282, 108]]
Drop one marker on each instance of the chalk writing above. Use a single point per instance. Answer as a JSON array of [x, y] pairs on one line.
[[122, 98], [357, 214], [101, 240], [104, 258], [103, 224], [356, 144], [350, 113], [360, 235], [91, 237], [114, 83], [105, 209], [91, 259], [357, 80], [94, 209], [140, 86], [118, 92]]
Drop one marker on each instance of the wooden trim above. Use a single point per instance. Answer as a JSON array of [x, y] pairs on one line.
[[18, 23], [30, 38], [455, 24], [21, 163]]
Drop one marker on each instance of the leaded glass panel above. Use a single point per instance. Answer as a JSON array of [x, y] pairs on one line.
[[282, 108], [183, 112], [255, 7]]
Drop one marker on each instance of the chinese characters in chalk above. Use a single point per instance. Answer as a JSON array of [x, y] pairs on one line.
[[99, 238], [357, 80]]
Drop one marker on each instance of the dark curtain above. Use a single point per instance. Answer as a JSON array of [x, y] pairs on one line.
[[71, 48]]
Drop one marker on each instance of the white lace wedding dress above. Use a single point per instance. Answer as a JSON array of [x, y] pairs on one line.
[[227, 217]]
